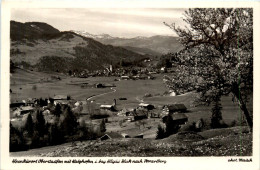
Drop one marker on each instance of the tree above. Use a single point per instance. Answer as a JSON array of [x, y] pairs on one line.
[[102, 126], [160, 134], [40, 123], [216, 115], [29, 125], [55, 135], [16, 141], [218, 55], [69, 123], [57, 111]]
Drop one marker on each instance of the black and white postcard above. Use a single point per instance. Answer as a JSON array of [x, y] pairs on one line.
[[102, 85]]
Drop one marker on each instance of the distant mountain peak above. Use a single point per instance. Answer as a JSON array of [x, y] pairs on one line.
[[94, 36], [157, 44]]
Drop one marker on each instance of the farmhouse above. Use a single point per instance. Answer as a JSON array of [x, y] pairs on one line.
[[154, 114], [140, 114], [174, 108], [108, 107], [62, 102], [147, 106], [126, 112], [175, 118], [16, 104], [99, 85], [23, 110], [141, 135], [60, 97], [125, 135], [125, 77], [111, 135]]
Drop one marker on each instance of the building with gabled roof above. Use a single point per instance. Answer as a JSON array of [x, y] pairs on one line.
[[171, 108]]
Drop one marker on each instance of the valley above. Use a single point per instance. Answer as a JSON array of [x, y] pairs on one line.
[[78, 94]]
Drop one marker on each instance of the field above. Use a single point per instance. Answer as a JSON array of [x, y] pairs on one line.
[[47, 85], [30, 84]]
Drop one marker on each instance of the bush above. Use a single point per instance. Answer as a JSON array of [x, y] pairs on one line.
[[148, 95], [161, 133]]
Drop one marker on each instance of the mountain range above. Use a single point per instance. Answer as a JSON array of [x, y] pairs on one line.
[[46, 48], [154, 45], [40, 45]]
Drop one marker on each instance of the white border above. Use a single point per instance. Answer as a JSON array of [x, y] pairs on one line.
[[172, 162]]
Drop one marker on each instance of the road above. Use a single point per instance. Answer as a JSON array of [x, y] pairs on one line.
[[91, 97]]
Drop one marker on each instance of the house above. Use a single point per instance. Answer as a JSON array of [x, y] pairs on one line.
[[62, 102], [141, 135], [99, 85], [111, 135], [154, 114], [175, 118], [125, 135], [23, 110], [147, 106], [16, 104], [105, 137], [152, 72], [108, 107], [125, 77], [26, 109], [171, 108], [60, 97], [140, 114], [126, 112]]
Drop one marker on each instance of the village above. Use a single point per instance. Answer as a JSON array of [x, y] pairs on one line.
[[120, 122]]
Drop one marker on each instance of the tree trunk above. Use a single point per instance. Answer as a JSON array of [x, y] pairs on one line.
[[242, 105], [246, 113]]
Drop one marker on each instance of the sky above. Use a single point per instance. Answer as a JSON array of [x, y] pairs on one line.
[[117, 22]]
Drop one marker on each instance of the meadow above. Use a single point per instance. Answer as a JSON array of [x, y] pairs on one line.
[[30, 84]]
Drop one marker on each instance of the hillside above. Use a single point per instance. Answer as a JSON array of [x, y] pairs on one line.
[[157, 45], [30, 30], [47, 49], [234, 141]]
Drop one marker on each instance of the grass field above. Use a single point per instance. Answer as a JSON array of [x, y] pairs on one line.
[[47, 85], [23, 82]]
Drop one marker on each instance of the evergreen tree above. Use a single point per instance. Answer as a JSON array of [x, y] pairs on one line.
[[55, 135], [57, 111], [102, 126], [40, 123], [160, 134], [29, 125], [69, 123], [216, 114]]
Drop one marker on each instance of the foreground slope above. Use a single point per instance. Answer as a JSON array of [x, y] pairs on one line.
[[236, 141]]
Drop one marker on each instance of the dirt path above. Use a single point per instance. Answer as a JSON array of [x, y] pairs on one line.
[[91, 97]]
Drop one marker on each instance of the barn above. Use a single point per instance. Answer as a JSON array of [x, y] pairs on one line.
[[147, 106], [176, 118], [171, 108]]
